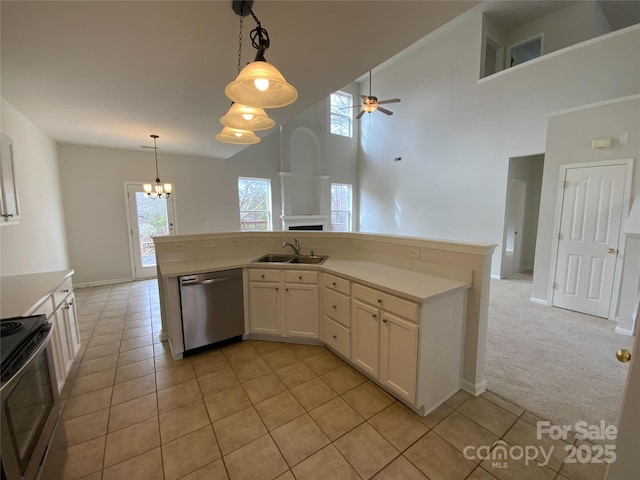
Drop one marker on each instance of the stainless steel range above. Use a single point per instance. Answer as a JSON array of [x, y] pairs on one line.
[[33, 442]]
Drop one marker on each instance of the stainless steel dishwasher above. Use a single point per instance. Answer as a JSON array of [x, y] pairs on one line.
[[212, 307]]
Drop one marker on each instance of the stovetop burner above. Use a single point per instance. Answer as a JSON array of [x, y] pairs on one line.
[[7, 328]]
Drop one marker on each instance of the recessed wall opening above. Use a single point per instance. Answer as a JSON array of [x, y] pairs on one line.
[[525, 51], [521, 215]]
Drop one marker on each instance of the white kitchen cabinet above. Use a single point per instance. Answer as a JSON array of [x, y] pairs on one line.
[[264, 307], [398, 355], [60, 310], [9, 207], [284, 302], [365, 337], [383, 343], [301, 311], [336, 314]]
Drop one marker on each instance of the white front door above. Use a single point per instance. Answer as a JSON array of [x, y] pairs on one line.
[[148, 217], [592, 207]]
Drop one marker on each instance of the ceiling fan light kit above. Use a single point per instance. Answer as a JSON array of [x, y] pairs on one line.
[[370, 103], [258, 85]]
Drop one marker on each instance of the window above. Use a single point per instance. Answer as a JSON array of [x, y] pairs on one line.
[[341, 114], [341, 207], [525, 51], [255, 203]]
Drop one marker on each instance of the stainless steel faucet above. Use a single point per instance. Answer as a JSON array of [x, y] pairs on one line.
[[295, 246]]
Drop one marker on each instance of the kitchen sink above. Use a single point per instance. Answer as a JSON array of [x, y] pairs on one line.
[[274, 258], [309, 259], [283, 258]]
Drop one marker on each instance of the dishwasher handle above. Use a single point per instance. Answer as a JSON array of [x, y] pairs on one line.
[[205, 282]]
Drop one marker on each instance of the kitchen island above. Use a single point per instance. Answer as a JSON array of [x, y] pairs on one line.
[[380, 302]]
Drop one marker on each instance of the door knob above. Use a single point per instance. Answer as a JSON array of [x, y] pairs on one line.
[[623, 355], [612, 250]]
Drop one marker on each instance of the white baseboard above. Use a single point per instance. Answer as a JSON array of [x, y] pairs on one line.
[[539, 301], [624, 331], [496, 277], [103, 283], [474, 389]]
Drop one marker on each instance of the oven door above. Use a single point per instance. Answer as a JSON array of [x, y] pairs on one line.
[[30, 411]]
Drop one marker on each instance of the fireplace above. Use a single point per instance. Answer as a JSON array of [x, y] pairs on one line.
[[305, 222]]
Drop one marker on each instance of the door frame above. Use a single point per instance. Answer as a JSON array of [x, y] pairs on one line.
[[503, 270], [626, 206], [132, 261]]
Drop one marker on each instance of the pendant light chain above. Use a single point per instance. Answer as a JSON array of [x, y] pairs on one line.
[[155, 150], [240, 40]]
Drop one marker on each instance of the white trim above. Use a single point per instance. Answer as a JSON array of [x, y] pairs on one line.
[[562, 51], [624, 331], [604, 103], [510, 48], [539, 301], [104, 282], [626, 205], [474, 388], [496, 277]]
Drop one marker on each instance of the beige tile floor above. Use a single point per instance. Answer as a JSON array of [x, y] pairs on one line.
[[263, 410]]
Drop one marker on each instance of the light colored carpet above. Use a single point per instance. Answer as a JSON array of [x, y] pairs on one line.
[[555, 363]]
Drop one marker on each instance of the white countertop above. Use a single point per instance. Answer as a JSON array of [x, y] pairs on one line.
[[20, 293], [408, 284]]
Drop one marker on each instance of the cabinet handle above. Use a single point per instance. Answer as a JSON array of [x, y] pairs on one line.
[[374, 315], [300, 277], [5, 215], [334, 337], [66, 290], [385, 320], [71, 303], [334, 307], [379, 300], [333, 283], [287, 289], [67, 307], [262, 275], [277, 289]]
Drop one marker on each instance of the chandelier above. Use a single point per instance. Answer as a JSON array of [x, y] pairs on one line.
[[159, 190]]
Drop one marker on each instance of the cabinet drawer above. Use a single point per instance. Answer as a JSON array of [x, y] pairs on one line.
[[390, 303], [336, 283], [337, 306], [301, 276], [62, 291], [265, 275], [337, 337]]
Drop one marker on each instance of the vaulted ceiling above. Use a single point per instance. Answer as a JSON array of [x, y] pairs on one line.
[[111, 73]]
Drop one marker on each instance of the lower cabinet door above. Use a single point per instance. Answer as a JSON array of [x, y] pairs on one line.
[[399, 355], [365, 337], [264, 306], [301, 315]]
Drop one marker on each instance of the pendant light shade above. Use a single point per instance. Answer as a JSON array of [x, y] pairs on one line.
[[244, 117], [260, 84], [237, 136]]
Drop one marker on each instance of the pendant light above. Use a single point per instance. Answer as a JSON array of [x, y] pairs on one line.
[[260, 84], [244, 117], [237, 136], [159, 190]]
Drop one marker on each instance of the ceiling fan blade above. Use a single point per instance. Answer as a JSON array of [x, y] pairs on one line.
[[360, 114], [384, 110], [342, 108], [392, 100]]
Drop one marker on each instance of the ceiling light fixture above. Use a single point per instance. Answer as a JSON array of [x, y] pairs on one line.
[[237, 136], [259, 84], [247, 118], [159, 190]]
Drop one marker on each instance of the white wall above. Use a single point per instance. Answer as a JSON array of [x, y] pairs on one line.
[[569, 141], [206, 192], [456, 134], [36, 244]]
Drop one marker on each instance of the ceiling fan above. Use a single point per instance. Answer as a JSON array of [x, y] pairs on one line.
[[371, 103]]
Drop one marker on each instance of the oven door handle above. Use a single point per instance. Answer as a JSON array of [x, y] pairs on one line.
[[48, 328]]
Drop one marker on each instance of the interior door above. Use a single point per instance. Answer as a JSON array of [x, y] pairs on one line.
[[148, 217], [588, 240]]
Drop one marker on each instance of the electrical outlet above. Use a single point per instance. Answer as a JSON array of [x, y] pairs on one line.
[[210, 244], [178, 246], [414, 252]]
